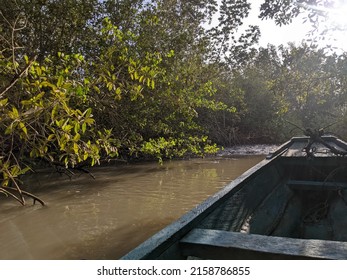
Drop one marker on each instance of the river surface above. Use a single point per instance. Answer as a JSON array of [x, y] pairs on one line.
[[105, 217]]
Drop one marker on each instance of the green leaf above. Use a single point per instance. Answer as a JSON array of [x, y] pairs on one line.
[[171, 53], [54, 112], [67, 127], [59, 123], [96, 89], [26, 102], [3, 102], [9, 129], [148, 82], [14, 114], [60, 81], [84, 127], [80, 91], [89, 121], [77, 127], [34, 153], [77, 137], [38, 70], [87, 113], [109, 86], [75, 148], [23, 127]]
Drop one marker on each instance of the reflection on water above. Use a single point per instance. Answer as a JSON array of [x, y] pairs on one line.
[[106, 217]]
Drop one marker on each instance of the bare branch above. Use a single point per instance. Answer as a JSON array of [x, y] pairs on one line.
[[8, 193], [9, 23]]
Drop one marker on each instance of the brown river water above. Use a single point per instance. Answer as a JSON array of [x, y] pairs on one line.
[[105, 217]]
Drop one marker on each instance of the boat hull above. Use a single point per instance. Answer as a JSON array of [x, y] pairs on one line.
[[293, 203]]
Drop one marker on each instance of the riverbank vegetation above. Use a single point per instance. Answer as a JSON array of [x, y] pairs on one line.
[[87, 81]]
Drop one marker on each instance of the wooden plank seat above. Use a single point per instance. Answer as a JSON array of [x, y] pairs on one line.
[[217, 244], [299, 185]]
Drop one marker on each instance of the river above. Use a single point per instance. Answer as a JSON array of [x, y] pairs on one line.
[[105, 217]]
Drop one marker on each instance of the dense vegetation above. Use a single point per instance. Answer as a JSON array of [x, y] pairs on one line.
[[85, 81]]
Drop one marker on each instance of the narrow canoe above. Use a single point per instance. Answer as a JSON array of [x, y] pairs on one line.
[[292, 205]]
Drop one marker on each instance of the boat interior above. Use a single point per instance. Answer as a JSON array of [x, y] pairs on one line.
[[293, 208]]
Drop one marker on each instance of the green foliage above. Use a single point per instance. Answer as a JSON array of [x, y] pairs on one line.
[[279, 91], [83, 81], [311, 86], [44, 116], [77, 91], [150, 98]]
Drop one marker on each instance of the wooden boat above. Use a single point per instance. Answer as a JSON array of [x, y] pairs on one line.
[[292, 205]]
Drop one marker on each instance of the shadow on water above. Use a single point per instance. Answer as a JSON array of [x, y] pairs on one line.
[[106, 217]]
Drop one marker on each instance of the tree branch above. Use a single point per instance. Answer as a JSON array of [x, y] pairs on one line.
[[34, 197], [17, 77]]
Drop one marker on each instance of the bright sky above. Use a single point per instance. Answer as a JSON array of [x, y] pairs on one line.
[[273, 34], [297, 30]]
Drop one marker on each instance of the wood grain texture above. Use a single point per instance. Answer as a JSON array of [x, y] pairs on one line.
[[217, 244]]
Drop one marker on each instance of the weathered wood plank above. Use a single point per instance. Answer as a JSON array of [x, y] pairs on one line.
[[217, 244]]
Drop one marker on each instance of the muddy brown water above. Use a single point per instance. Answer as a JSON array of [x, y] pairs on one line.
[[107, 217]]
